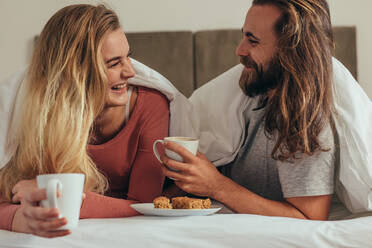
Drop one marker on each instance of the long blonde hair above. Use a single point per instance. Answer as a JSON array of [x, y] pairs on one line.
[[66, 91]]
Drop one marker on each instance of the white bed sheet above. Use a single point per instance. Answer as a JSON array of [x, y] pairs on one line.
[[219, 230]]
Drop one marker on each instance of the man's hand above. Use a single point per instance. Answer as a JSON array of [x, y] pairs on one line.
[[196, 175]]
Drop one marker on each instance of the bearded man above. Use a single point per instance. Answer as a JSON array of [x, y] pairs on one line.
[[285, 166]]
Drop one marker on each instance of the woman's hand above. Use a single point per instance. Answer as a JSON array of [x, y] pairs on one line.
[[30, 217], [22, 188], [196, 175]]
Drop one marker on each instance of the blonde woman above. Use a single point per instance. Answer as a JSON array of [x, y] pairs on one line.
[[79, 115]]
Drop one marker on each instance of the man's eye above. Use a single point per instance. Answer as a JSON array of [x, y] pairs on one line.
[[253, 41]]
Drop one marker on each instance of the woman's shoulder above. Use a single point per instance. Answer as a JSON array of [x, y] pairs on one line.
[[151, 98], [152, 105]]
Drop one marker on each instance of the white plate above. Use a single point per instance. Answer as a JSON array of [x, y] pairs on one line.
[[148, 209]]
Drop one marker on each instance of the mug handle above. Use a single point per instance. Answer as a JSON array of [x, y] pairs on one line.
[[51, 190], [156, 153]]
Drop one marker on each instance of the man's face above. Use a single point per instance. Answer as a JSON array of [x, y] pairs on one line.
[[258, 50]]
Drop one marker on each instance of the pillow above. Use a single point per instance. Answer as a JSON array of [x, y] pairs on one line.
[[353, 121], [8, 91]]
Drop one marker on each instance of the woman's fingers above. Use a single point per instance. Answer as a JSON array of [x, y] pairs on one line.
[[40, 213], [54, 234], [17, 197], [61, 233], [34, 197], [46, 225], [45, 222], [22, 188], [21, 184]]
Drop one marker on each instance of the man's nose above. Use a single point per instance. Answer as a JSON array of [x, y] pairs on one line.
[[242, 49]]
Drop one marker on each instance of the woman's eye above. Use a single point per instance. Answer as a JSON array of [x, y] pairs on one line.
[[113, 65]]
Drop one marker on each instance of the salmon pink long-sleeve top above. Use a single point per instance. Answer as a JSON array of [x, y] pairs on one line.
[[127, 160]]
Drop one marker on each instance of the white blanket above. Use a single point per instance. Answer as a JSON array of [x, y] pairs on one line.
[[220, 105], [219, 230]]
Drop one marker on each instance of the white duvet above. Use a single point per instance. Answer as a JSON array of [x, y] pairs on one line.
[[220, 103], [219, 230]]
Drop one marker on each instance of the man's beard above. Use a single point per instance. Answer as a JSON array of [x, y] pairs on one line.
[[256, 81]]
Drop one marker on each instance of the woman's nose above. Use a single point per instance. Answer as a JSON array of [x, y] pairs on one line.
[[127, 70]]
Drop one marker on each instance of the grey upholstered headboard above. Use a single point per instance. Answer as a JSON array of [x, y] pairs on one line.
[[170, 53]]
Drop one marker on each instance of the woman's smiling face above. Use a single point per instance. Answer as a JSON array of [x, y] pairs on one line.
[[116, 52]]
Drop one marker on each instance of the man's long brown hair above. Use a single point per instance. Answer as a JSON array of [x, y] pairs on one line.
[[301, 104]]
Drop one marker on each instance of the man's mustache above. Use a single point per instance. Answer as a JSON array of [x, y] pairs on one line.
[[248, 62]]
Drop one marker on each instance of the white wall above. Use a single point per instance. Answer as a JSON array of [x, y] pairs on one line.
[[21, 20]]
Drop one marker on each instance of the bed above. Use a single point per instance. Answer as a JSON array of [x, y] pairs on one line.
[[218, 230], [188, 60], [222, 229]]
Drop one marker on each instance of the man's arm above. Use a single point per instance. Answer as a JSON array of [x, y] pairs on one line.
[[200, 177], [242, 200]]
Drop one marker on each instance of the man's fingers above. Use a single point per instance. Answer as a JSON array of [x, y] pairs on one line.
[[173, 164], [183, 152], [172, 174], [201, 155]]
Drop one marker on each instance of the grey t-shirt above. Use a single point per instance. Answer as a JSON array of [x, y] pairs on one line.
[[256, 170]]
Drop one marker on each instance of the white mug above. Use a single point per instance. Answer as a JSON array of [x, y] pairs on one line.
[[70, 186], [190, 144]]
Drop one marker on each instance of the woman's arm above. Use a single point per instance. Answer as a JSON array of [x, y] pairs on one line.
[[7, 212], [99, 206]]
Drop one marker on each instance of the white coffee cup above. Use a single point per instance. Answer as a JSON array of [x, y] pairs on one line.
[[70, 186], [190, 144]]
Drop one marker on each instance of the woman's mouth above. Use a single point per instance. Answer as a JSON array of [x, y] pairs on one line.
[[119, 88]]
